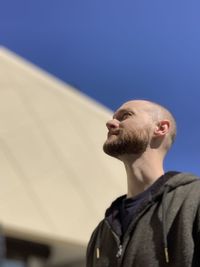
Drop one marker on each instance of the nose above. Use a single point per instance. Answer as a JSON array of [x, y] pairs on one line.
[[112, 124]]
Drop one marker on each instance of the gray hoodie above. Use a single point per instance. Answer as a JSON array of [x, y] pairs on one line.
[[165, 231]]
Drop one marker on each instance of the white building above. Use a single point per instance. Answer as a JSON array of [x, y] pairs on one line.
[[55, 180]]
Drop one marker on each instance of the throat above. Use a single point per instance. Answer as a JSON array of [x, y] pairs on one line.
[[138, 180]]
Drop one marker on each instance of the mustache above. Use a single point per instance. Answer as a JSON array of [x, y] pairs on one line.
[[113, 132]]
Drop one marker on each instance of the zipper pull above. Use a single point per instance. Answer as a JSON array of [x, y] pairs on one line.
[[166, 255], [119, 252], [98, 253]]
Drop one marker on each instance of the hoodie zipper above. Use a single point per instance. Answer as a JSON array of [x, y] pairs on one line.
[[119, 252], [119, 243]]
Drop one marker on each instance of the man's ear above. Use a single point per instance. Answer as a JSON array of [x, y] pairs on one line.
[[162, 128]]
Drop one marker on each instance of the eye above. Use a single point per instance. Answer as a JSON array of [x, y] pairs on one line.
[[126, 115]]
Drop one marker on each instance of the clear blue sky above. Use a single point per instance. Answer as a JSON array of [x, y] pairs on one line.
[[118, 50]]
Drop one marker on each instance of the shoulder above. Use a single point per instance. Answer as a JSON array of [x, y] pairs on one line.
[[94, 239], [96, 231], [184, 180], [188, 191]]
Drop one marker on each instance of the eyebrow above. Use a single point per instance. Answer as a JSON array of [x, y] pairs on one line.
[[120, 112]]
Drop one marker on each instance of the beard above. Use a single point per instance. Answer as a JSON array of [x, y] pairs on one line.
[[132, 142]]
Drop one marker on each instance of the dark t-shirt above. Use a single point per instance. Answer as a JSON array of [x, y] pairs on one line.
[[129, 206]]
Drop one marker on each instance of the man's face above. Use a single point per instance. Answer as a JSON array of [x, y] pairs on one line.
[[129, 131]]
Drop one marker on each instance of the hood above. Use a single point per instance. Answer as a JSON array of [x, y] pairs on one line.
[[171, 180], [181, 179]]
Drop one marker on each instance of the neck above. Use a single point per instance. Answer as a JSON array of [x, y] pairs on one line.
[[142, 172]]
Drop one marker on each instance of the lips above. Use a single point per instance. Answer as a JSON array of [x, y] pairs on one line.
[[110, 133]]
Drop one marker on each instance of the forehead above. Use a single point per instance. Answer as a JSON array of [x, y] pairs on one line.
[[135, 105]]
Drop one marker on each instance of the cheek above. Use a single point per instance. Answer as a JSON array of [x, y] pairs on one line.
[[128, 125], [132, 127]]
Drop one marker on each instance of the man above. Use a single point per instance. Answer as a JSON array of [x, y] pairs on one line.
[[157, 223]]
